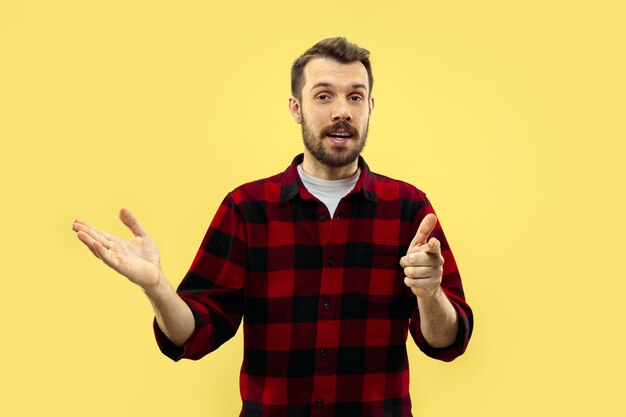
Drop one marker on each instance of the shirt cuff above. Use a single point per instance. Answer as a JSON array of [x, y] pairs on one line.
[[201, 337], [457, 348]]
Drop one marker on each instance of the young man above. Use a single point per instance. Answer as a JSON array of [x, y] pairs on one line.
[[329, 264]]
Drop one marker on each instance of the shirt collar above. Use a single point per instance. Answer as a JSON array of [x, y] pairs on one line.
[[291, 183]]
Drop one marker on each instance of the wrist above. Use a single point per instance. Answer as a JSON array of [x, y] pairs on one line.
[[156, 287], [436, 293]]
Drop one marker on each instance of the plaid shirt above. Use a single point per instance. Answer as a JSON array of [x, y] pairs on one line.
[[326, 312]]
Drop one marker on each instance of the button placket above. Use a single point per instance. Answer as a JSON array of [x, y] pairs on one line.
[[327, 331]]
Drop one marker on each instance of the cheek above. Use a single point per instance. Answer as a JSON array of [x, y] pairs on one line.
[[319, 114], [362, 122], [316, 119]]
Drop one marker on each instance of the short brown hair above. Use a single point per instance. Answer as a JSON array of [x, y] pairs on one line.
[[338, 49]]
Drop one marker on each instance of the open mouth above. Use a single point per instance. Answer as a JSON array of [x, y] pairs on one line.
[[339, 136], [338, 139], [340, 131]]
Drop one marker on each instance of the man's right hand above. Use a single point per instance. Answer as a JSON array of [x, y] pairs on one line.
[[137, 259]]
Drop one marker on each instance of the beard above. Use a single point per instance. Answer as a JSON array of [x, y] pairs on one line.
[[337, 156]]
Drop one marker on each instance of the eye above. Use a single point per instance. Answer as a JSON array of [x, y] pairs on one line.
[[323, 97], [356, 98]]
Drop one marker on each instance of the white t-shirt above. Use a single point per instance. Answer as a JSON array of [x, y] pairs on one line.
[[328, 192]]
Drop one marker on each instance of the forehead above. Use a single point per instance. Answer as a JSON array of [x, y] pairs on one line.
[[330, 71]]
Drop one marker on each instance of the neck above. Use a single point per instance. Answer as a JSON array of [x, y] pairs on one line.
[[313, 167]]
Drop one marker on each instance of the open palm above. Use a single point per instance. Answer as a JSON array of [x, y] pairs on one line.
[[137, 259]]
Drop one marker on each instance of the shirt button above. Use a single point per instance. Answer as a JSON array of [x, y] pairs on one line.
[[326, 306], [319, 402], [323, 353], [331, 261], [322, 217]]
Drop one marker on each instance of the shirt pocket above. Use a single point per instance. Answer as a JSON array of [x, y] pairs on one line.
[[374, 278]]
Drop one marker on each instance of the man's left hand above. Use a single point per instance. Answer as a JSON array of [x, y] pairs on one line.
[[423, 262]]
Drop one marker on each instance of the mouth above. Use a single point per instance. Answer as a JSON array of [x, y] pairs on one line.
[[339, 139], [340, 132], [339, 136]]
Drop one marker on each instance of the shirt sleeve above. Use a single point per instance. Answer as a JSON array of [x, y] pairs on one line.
[[213, 287], [453, 289]]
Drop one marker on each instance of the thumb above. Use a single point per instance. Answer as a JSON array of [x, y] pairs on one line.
[[133, 224], [424, 230]]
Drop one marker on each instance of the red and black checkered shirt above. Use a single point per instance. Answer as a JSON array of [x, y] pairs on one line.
[[325, 309]]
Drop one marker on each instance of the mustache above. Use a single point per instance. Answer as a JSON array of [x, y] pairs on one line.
[[341, 125]]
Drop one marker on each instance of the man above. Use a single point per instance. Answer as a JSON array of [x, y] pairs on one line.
[[330, 266]]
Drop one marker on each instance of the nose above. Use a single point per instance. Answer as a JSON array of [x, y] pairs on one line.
[[341, 111]]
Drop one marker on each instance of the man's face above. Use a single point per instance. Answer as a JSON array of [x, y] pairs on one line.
[[334, 111]]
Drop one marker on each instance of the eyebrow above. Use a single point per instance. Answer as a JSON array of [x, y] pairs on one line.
[[354, 86]]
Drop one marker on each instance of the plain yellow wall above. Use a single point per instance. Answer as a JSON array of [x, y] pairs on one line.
[[509, 115]]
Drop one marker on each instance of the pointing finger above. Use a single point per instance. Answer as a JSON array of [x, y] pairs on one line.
[[433, 246], [424, 230]]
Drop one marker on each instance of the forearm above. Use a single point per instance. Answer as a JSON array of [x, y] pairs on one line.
[[438, 319], [173, 315]]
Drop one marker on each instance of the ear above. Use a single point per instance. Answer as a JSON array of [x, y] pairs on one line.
[[295, 109], [371, 104]]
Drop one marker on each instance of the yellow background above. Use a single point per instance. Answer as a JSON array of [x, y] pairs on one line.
[[509, 115]]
